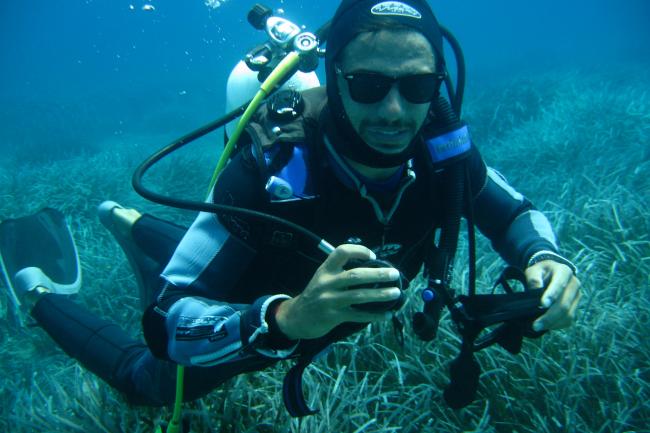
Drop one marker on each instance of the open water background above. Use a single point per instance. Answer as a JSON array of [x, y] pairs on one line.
[[77, 74], [557, 95]]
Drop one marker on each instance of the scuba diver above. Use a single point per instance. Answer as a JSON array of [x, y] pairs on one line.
[[376, 162]]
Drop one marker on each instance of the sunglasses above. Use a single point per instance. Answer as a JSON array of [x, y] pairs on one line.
[[372, 87]]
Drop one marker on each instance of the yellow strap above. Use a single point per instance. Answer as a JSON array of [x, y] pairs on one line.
[[285, 66]]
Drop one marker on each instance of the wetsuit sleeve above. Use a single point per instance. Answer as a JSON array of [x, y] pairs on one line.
[[192, 322], [515, 227]]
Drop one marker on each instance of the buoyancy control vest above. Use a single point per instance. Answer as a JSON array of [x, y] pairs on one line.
[[446, 151], [280, 136]]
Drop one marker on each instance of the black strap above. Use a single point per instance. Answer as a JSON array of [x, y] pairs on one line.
[[464, 374], [471, 232], [453, 199], [292, 394], [514, 310], [439, 260], [455, 183], [294, 399]]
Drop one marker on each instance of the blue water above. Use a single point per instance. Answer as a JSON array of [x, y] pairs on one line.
[[77, 77], [78, 71]]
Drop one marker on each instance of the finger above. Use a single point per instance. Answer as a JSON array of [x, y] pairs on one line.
[[535, 276], [364, 276], [574, 307], [561, 313], [558, 283], [343, 253], [359, 316], [364, 296], [568, 321], [571, 293]]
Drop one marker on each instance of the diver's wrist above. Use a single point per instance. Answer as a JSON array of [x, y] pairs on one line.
[[281, 319], [550, 255], [277, 338]]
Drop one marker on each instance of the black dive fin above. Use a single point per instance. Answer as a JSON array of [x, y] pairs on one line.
[[38, 250]]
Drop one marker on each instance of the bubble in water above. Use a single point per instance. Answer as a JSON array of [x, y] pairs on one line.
[[148, 7], [213, 3]]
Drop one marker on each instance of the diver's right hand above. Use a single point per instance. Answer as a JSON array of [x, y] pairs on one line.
[[327, 300]]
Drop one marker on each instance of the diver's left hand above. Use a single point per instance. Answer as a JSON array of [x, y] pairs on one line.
[[561, 295]]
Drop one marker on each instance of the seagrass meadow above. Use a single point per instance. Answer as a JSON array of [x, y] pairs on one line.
[[576, 142]]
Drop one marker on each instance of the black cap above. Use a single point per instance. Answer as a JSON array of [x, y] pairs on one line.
[[351, 15], [350, 19]]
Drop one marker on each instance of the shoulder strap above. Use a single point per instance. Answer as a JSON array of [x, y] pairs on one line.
[[446, 147], [266, 129], [440, 257], [281, 145]]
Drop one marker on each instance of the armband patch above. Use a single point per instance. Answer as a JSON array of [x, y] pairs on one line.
[[449, 145]]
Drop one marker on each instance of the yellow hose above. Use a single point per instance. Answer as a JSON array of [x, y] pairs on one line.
[[175, 423], [285, 66]]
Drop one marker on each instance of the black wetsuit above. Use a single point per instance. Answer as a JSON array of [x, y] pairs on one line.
[[228, 270]]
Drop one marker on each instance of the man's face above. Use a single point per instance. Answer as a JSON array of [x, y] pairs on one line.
[[389, 125]]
